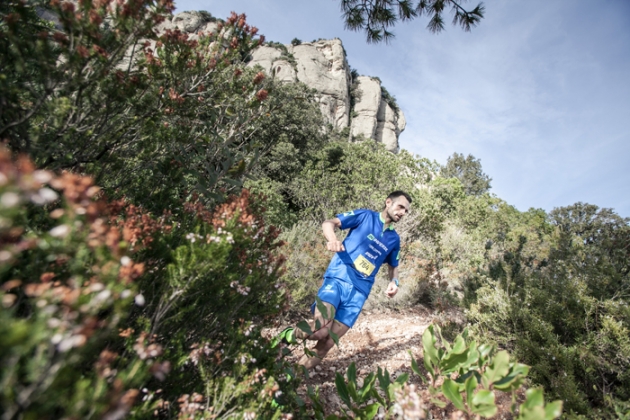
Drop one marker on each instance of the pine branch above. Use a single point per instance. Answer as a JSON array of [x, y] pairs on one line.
[[374, 17]]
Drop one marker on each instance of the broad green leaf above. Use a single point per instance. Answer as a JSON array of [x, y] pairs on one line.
[[428, 346], [352, 373], [369, 412], [368, 384], [483, 403], [318, 325], [334, 336], [483, 397], [459, 346], [473, 356], [352, 391], [342, 389], [485, 350], [509, 383], [553, 410], [514, 379], [303, 325], [391, 389], [463, 378], [533, 398], [429, 367], [485, 410], [534, 413], [450, 389], [471, 385], [402, 378], [439, 403], [322, 308], [520, 368], [444, 342], [452, 361], [430, 354], [414, 365], [383, 379], [378, 396], [498, 369]]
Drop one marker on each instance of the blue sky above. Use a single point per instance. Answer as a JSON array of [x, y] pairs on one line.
[[539, 91]]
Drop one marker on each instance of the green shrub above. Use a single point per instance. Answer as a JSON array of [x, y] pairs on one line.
[[564, 309]]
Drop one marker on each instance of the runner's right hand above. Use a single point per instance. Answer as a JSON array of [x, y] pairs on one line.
[[335, 246]]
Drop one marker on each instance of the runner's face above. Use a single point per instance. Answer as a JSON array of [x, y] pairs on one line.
[[397, 208]]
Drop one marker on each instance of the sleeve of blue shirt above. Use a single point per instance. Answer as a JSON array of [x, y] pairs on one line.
[[351, 219], [394, 256]]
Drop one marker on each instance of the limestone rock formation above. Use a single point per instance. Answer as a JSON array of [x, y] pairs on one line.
[[390, 123], [322, 66], [274, 63], [384, 125], [368, 100]]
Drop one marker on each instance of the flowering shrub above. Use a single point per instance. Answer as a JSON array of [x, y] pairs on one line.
[[151, 116], [78, 339], [66, 276]]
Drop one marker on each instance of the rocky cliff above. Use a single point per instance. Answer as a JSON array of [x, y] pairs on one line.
[[360, 103]]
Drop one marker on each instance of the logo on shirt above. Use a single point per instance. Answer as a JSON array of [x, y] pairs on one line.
[[377, 242], [348, 213]]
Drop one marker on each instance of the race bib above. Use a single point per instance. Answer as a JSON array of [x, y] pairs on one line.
[[363, 266]]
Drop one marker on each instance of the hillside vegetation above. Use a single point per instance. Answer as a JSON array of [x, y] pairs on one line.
[[158, 212]]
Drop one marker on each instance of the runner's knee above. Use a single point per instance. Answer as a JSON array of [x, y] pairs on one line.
[[319, 334]]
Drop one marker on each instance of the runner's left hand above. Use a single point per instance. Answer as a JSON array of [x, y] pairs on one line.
[[392, 289]]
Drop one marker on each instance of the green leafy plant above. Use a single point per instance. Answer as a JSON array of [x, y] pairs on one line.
[[476, 365]]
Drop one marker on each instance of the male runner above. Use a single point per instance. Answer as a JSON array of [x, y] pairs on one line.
[[348, 280]]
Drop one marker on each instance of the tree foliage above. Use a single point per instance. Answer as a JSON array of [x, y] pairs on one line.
[[468, 171], [376, 17], [559, 299]]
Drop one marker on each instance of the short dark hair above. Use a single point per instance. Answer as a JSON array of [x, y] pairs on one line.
[[395, 194]]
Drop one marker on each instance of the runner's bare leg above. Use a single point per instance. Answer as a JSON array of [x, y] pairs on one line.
[[324, 341]]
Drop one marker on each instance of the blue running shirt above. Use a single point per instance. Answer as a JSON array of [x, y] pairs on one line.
[[368, 245]]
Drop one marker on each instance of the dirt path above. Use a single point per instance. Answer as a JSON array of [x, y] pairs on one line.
[[383, 339]]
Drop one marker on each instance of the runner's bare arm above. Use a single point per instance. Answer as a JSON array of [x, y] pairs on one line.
[[392, 289], [328, 227]]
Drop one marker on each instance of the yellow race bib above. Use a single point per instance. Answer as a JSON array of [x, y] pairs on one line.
[[363, 266]]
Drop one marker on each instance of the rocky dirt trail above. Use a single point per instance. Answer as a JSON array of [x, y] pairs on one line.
[[383, 339]]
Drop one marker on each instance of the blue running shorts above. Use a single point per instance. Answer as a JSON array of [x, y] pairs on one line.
[[347, 300]]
